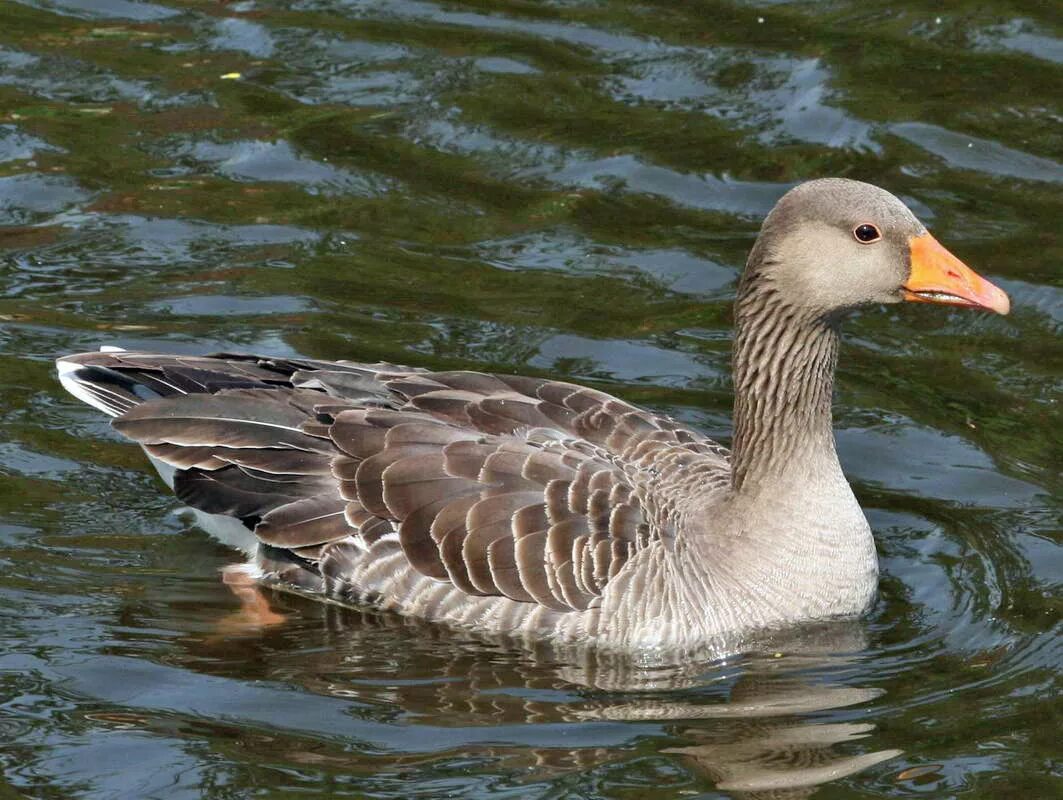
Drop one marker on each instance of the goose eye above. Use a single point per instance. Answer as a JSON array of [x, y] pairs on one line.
[[866, 233]]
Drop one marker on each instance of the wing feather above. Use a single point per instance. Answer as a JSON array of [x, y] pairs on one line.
[[537, 490], [304, 523]]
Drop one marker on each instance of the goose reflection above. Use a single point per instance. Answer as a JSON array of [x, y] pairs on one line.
[[744, 726]]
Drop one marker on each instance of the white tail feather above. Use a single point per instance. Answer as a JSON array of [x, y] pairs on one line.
[[68, 377]]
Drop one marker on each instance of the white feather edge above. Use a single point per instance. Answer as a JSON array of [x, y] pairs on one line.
[[68, 378]]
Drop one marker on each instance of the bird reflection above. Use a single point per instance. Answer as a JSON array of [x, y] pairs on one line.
[[741, 725]]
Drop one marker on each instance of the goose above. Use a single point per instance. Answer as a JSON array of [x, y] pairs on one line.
[[539, 509]]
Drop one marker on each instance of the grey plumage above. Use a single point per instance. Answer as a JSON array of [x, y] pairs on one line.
[[539, 508]]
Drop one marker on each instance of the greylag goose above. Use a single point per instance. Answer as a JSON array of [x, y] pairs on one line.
[[542, 509]]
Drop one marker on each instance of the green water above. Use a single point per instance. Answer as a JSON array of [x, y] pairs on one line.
[[557, 188]]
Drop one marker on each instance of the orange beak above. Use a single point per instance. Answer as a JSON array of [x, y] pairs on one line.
[[939, 277]]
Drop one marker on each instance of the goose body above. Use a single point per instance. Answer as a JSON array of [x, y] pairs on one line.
[[542, 509]]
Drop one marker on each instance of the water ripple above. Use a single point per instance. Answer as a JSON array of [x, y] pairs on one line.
[[565, 188]]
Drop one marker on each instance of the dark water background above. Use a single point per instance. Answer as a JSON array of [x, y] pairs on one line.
[[559, 188]]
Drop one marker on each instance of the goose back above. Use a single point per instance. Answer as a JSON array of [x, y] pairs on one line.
[[434, 493]]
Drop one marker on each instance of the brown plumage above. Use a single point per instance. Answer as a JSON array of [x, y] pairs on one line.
[[530, 489]]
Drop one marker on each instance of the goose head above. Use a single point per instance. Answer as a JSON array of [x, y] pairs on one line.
[[833, 245], [828, 247]]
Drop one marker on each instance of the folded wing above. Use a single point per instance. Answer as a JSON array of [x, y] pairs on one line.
[[540, 491]]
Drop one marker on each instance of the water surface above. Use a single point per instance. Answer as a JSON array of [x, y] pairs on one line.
[[560, 188]]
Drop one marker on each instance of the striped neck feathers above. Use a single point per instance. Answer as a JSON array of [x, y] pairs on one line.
[[784, 359]]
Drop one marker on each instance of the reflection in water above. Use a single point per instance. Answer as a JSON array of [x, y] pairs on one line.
[[743, 725], [788, 761]]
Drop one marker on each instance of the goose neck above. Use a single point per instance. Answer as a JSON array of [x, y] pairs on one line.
[[784, 360]]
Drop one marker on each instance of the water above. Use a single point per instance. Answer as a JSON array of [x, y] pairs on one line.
[[561, 188]]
